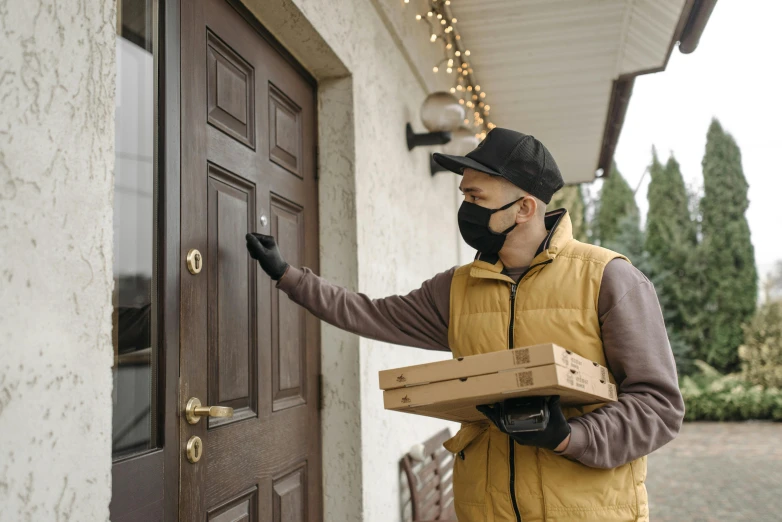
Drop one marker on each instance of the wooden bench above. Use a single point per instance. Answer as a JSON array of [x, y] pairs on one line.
[[427, 479]]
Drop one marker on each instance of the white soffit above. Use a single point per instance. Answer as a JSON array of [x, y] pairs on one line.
[[548, 66]]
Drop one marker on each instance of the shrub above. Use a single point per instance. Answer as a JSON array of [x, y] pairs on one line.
[[712, 396], [761, 353]]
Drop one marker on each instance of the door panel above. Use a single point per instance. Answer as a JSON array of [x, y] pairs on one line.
[[288, 319], [248, 164], [290, 494], [233, 350], [285, 131], [230, 91]]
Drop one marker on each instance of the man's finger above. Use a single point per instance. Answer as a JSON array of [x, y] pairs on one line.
[[266, 241], [254, 245], [490, 412], [251, 239]]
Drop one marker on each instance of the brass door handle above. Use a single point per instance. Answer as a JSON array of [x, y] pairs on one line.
[[194, 411]]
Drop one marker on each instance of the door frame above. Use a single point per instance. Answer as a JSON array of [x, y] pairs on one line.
[[148, 484]]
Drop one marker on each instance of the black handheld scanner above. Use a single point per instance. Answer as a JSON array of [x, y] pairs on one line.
[[525, 414]]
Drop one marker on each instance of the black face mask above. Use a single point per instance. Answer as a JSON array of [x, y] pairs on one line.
[[474, 226]]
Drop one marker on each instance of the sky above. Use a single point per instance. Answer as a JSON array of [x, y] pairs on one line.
[[735, 75]]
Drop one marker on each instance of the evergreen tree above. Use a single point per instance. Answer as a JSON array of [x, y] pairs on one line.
[[729, 276], [616, 202], [630, 241], [571, 198], [671, 243]]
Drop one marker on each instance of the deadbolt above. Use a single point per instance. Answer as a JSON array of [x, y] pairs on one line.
[[195, 448], [195, 261]]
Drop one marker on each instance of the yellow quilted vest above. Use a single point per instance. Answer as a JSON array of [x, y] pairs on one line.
[[555, 301]]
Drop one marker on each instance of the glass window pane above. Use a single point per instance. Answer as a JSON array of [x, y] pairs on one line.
[[135, 350]]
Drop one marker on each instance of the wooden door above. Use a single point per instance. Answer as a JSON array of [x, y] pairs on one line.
[[248, 164]]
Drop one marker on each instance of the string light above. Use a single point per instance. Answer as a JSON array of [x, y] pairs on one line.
[[469, 94]]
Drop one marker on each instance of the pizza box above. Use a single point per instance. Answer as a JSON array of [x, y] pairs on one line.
[[456, 399], [526, 357]]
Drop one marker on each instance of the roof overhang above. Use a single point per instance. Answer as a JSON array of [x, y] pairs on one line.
[[563, 70]]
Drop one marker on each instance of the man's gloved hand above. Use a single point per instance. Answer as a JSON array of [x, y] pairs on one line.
[[555, 433], [264, 249]]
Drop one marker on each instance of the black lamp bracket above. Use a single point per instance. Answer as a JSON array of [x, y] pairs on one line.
[[427, 138]]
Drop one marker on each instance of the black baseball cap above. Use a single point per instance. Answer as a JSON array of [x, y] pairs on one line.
[[517, 157]]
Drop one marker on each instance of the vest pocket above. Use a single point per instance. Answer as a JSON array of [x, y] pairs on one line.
[[470, 471], [570, 487]]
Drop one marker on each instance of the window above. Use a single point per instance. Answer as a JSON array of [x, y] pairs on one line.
[[135, 427]]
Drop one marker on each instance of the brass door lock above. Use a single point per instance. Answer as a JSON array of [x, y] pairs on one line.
[[195, 261], [195, 448]]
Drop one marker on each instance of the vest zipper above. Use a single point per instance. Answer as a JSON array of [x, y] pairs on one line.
[[512, 449]]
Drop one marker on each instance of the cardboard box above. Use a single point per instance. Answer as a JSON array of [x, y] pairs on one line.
[[456, 399], [526, 357]]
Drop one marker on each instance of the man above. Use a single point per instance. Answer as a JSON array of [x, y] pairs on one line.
[[531, 282]]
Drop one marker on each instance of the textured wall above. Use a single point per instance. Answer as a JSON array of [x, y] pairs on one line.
[[57, 68]]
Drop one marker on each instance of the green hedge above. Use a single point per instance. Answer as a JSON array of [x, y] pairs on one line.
[[710, 396]]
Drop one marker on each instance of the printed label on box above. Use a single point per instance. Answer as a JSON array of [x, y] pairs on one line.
[[521, 357], [581, 382], [524, 379]]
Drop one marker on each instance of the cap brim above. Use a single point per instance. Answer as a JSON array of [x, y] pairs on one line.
[[457, 164]]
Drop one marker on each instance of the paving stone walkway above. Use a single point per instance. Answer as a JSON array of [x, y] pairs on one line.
[[718, 472]]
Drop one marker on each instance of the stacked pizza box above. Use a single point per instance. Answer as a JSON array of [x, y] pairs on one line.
[[451, 389]]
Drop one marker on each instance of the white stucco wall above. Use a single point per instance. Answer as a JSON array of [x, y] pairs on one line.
[[57, 67]]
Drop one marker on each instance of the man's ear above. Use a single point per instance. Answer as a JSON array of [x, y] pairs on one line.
[[527, 210]]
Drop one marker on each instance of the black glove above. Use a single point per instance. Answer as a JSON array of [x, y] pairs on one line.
[[556, 431], [264, 249]]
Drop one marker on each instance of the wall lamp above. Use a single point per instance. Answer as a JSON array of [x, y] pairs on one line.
[[443, 117], [441, 114]]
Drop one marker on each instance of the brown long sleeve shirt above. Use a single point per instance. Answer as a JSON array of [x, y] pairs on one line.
[[650, 408]]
